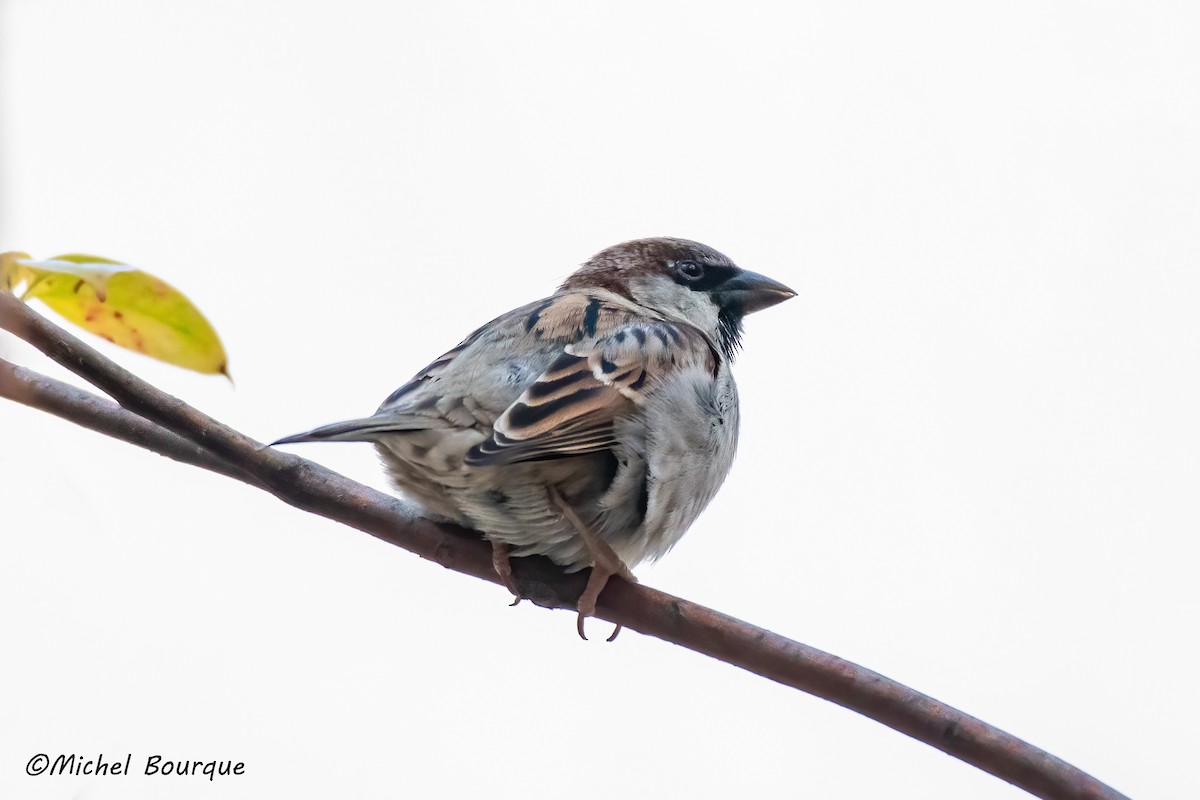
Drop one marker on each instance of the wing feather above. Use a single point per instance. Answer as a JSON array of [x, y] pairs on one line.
[[570, 409]]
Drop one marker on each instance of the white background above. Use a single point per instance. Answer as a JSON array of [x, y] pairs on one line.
[[970, 449]]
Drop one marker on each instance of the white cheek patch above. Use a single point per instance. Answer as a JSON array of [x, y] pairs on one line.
[[677, 302]]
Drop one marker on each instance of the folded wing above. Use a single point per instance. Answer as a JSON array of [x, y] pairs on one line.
[[570, 409]]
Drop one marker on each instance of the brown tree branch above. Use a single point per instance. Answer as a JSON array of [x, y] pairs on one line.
[[313, 488], [104, 416]]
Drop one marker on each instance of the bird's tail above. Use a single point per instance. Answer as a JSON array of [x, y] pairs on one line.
[[367, 429]]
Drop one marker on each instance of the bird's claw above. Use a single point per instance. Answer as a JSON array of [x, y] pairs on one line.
[[591, 593], [503, 568]]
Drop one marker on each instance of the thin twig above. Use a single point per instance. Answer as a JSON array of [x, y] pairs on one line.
[[316, 489], [104, 416]]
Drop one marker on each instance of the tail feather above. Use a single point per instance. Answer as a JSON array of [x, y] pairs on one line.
[[367, 429]]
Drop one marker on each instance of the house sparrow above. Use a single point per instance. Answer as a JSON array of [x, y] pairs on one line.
[[592, 426]]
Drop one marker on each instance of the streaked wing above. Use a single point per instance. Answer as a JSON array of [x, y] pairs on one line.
[[537, 329], [569, 410], [435, 368]]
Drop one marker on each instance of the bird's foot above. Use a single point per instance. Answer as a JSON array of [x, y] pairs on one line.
[[503, 568], [591, 593], [605, 564]]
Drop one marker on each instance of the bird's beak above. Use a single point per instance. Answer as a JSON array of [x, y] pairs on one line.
[[750, 292]]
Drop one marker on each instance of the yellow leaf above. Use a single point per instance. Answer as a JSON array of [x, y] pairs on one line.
[[128, 307], [93, 270]]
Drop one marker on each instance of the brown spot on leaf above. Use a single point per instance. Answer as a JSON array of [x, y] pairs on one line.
[[78, 286]]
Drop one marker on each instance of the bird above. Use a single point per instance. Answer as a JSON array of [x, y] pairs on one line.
[[592, 426]]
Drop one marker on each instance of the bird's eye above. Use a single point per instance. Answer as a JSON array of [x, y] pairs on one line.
[[690, 270]]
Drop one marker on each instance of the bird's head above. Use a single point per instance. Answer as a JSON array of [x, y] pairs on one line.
[[682, 280]]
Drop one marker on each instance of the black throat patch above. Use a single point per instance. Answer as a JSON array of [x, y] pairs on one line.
[[729, 330]]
